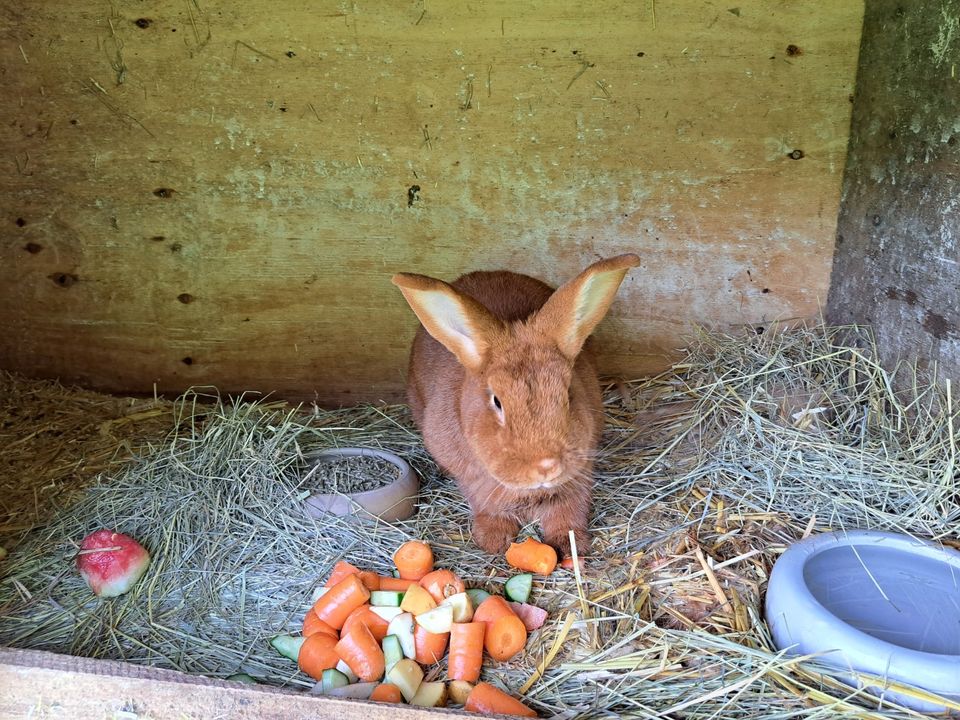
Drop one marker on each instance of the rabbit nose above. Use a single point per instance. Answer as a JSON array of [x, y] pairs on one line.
[[549, 468]]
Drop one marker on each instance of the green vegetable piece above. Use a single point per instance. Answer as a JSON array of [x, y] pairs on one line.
[[518, 587]]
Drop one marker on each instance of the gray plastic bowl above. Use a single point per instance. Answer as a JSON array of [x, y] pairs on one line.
[[875, 602], [396, 501]]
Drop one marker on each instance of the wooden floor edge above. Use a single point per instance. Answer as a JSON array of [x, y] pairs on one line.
[[36, 683]]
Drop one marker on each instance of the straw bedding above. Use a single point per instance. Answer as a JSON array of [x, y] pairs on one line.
[[705, 475]]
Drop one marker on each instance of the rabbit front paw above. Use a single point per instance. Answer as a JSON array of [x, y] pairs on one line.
[[494, 533]]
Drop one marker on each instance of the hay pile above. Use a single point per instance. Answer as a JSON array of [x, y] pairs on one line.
[[705, 475], [53, 440]]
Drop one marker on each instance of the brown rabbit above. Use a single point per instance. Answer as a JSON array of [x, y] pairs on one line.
[[506, 401]]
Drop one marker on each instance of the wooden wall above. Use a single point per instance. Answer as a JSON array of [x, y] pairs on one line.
[[217, 192]]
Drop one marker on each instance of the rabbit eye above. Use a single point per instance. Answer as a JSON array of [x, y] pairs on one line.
[[497, 407]]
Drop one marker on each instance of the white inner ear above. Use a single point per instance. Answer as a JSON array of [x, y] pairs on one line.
[[448, 313], [591, 297]]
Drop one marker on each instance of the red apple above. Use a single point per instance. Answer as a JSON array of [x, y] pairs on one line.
[[111, 562]]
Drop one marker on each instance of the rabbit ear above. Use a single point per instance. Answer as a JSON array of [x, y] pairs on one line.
[[458, 322], [575, 309]]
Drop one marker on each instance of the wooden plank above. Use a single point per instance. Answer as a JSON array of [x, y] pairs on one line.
[[39, 684], [220, 193]]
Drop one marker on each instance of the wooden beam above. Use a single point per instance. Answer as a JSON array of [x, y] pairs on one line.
[[35, 684]]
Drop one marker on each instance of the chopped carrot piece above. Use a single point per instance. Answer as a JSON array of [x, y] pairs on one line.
[[532, 556], [393, 584], [386, 692], [567, 562], [313, 624], [493, 608], [318, 654], [441, 584], [340, 571], [486, 699], [413, 559], [364, 615], [370, 579], [505, 637], [466, 651], [340, 600], [430, 647], [361, 651]]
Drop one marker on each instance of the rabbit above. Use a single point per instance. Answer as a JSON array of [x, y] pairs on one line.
[[506, 395]]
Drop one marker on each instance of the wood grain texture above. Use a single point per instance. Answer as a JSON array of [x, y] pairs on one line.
[[897, 261], [209, 192], [36, 684]]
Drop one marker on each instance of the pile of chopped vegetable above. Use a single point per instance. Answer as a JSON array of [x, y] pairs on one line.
[[368, 636]]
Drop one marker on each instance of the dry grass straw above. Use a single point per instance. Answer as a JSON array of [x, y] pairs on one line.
[[808, 424], [705, 474], [54, 439]]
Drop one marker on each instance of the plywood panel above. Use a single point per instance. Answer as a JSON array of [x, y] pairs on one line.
[[35, 684], [212, 192]]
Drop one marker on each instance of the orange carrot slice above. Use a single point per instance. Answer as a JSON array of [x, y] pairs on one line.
[[364, 615], [395, 584], [567, 562], [340, 571], [386, 692], [429, 647], [466, 651], [441, 584], [361, 651], [317, 654], [493, 608], [370, 579], [340, 600], [488, 700], [313, 624], [505, 637], [532, 556], [413, 559]]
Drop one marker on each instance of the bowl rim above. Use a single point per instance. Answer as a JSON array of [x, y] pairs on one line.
[[800, 553], [317, 456], [791, 596]]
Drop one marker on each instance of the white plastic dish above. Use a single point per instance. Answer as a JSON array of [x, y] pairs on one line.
[[875, 602], [391, 502]]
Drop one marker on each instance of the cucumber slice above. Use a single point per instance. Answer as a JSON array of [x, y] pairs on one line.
[[347, 672], [288, 646], [392, 652], [518, 587], [332, 679], [385, 598], [477, 596]]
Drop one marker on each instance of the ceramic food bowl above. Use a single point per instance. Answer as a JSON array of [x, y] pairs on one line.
[[874, 602], [391, 502]]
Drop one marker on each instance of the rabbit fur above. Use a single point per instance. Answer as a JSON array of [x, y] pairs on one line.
[[506, 394]]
